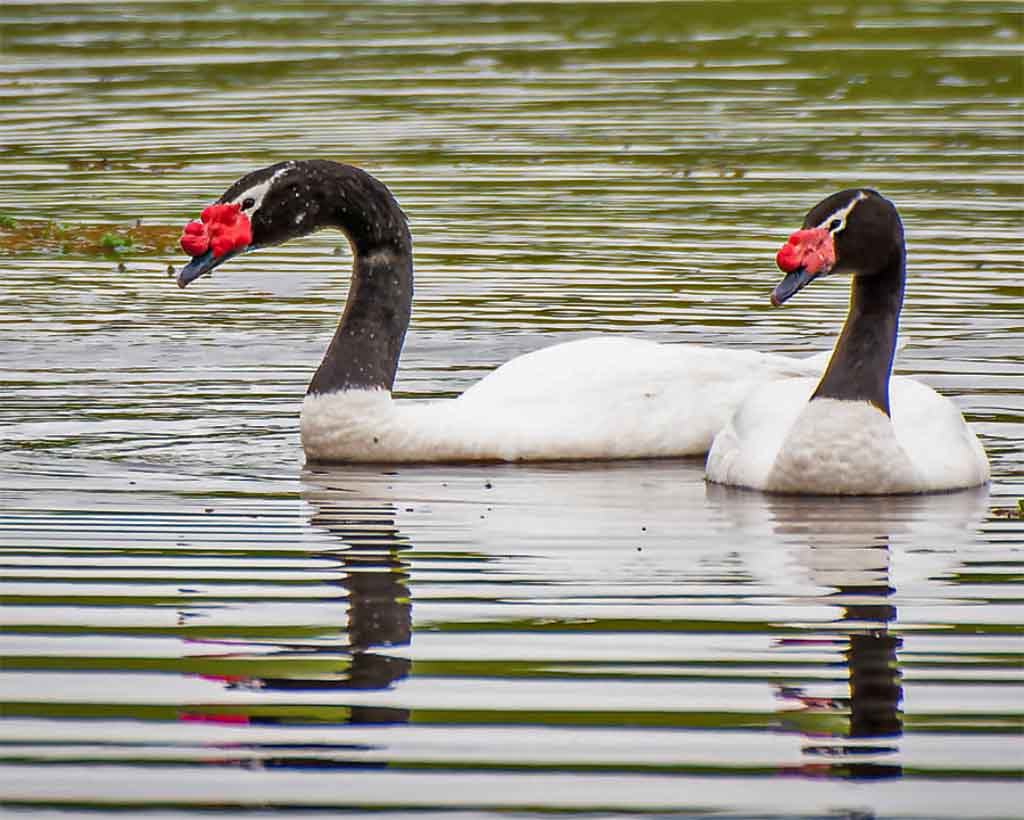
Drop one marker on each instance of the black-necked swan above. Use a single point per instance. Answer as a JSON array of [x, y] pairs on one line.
[[856, 431], [597, 398]]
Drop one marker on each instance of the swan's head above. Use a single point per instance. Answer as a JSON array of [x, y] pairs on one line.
[[856, 231], [292, 199], [264, 207]]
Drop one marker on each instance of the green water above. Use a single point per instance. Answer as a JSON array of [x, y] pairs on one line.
[[197, 623]]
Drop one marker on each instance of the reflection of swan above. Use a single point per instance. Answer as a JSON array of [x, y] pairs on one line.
[[516, 509], [779, 528], [379, 614], [875, 692], [837, 438], [844, 545], [600, 398]]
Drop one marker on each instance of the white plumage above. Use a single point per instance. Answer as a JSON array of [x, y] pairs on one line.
[[780, 442], [598, 398]]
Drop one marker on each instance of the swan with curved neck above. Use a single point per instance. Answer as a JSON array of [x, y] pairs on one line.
[[856, 431], [598, 398]]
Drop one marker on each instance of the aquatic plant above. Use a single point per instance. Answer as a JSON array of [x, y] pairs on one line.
[[49, 237]]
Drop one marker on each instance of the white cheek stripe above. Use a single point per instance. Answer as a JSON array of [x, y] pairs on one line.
[[842, 213], [257, 192]]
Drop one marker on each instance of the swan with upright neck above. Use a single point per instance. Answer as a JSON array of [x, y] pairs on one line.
[[597, 398], [855, 431]]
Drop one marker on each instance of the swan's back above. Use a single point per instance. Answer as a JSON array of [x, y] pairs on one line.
[[599, 398], [620, 396]]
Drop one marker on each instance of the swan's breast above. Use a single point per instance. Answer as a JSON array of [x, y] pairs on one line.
[[839, 447], [349, 425]]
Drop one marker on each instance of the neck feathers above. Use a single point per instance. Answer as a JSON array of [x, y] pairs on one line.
[[861, 363], [368, 341]]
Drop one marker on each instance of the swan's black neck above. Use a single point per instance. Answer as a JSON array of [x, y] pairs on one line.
[[368, 341], [862, 360]]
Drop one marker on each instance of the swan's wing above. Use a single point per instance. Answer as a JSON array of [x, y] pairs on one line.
[[619, 397], [595, 369], [945, 452]]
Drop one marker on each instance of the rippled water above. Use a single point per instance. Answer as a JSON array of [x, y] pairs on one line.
[[197, 623]]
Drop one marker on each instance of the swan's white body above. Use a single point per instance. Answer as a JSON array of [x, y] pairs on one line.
[[599, 398], [779, 441]]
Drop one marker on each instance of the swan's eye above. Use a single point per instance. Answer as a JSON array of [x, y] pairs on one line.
[[833, 226], [247, 203]]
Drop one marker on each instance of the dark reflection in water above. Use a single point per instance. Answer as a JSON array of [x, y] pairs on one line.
[[380, 611], [874, 677], [379, 618], [875, 690]]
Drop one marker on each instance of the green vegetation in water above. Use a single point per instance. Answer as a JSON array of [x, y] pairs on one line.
[[111, 241], [1010, 512], [115, 242]]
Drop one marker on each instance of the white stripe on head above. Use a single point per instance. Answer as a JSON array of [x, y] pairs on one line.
[[841, 215], [257, 192]]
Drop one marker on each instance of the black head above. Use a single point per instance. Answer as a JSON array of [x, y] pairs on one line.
[[856, 231], [277, 201], [865, 227], [294, 198], [254, 223]]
